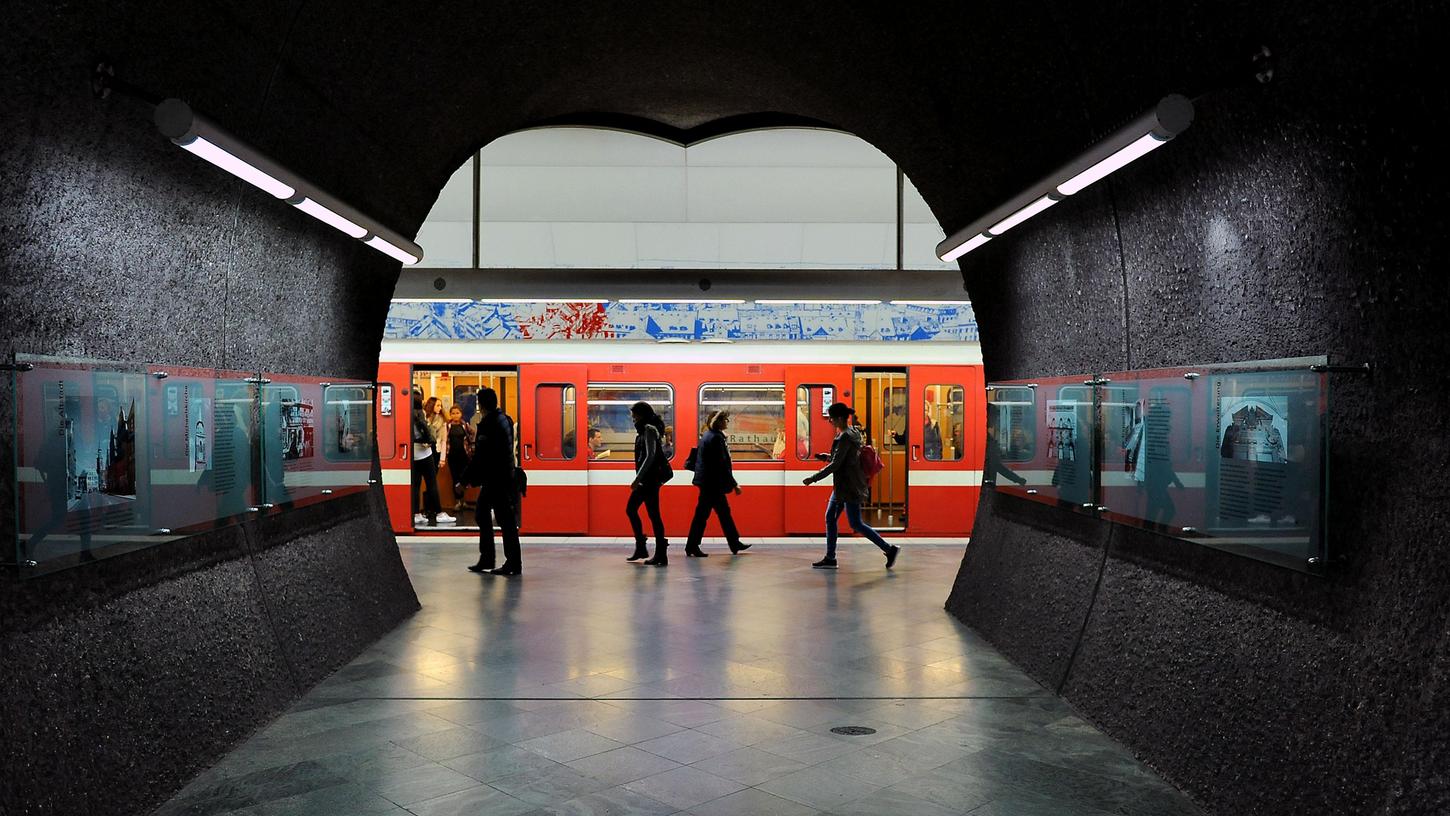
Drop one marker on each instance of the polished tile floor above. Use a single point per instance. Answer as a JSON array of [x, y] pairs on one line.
[[594, 686]]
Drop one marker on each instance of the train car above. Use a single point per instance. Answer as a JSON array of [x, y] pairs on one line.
[[920, 406]]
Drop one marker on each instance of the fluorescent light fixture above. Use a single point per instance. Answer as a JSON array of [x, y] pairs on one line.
[[548, 300], [809, 302], [432, 300], [717, 340], [1171, 116], [330, 218], [1022, 215], [380, 244], [678, 300], [246, 172], [664, 340], [931, 303], [1142, 147], [202, 137], [965, 247]]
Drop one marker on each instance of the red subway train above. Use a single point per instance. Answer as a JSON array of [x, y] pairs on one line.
[[921, 405]]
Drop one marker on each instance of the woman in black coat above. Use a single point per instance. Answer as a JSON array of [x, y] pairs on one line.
[[715, 479], [650, 468]]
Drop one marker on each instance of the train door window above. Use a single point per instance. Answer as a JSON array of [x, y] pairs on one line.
[[347, 423], [942, 433], [757, 418], [609, 414], [387, 428], [1013, 421], [813, 431], [555, 421]]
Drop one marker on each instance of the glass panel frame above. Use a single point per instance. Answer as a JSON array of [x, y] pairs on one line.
[[565, 442], [608, 406], [810, 425], [933, 438]]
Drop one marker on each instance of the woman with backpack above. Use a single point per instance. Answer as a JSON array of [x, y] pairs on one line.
[[651, 471], [850, 487]]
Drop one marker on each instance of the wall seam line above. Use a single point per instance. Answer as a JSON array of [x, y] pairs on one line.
[[1087, 616]]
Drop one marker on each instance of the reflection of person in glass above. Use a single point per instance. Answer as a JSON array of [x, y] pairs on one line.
[[994, 464], [54, 473], [198, 446], [1155, 463]]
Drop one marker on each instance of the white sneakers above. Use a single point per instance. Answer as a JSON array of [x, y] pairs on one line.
[[444, 518], [420, 520]]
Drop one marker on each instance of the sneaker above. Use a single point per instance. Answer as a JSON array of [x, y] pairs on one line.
[[825, 563], [891, 555], [419, 519], [444, 518]]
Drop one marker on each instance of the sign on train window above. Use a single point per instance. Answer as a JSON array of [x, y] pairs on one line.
[[757, 418], [611, 431], [556, 419], [813, 430], [945, 413]]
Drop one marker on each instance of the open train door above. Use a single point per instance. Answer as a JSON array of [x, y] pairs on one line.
[[809, 390], [395, 451], [554, 448], [946, 432]]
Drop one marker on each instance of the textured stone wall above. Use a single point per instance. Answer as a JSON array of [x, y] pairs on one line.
[[122, 679]]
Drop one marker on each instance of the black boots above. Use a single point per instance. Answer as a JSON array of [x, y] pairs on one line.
[[737, 547], [660, 559], [640, 551], [694, 551], [481, 566], [507, 569]]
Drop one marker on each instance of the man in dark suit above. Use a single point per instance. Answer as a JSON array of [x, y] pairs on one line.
[[492, 469]]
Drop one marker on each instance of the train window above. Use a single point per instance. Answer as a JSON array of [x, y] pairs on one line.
[[757, 418], [1013, 418], [609, 415], [945, 414], [555, 421], [813, 430], [347, 423]]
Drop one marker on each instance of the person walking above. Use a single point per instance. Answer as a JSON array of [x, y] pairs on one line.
[[425, 467], [492, 469], [850, 487], [460, 448], [651, 471], [715, 479]]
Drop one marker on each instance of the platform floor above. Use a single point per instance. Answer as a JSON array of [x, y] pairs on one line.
[[594, 686]]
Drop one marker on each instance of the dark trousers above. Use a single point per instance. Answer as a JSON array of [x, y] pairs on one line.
[[504, 506], [427, 470], [720, 503], [649, 496]]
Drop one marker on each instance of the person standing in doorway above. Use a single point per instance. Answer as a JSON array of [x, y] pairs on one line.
[[492, 469], [850, 487], [650, 466], [460, 448], [715, 479], [425, 467]]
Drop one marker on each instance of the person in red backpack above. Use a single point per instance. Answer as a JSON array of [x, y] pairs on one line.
[[850, 487]]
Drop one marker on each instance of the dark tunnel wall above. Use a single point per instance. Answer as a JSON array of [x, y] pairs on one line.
[[1298, 218]]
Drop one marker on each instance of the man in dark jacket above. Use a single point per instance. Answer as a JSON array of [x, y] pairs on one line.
[[715, 479], [492, 469]]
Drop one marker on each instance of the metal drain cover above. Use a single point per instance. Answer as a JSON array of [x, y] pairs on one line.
[[853, 730]]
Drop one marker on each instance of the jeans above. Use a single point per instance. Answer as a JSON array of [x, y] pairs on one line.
[[853, 517], [649, 496], [720, 503], [504, 505]]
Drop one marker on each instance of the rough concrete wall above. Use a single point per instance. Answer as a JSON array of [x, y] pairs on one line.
[[1295, 219], [124, 678]]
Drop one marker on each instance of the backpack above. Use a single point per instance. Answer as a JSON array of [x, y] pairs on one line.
[[870, 462]]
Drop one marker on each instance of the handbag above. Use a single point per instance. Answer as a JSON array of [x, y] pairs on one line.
[[692, 459]]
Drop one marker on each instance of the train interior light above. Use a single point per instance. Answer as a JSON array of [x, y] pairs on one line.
[[1170, 117], [202, 137], [813, 302]]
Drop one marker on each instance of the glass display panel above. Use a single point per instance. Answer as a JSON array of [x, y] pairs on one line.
[[555, 420], [813, 430], [1060, 415], [757, 419], [609, 414], [316, 438], [943, 430]]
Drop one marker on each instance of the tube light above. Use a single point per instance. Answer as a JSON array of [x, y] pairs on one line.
[[432, 300], [1022, 215], [237, 167], [548, 300], [1171, 116], [330, 218], [1142, 147], [809, 302], [965, 247], [205, 139], [680, 300], [931, 303], [381, 245]]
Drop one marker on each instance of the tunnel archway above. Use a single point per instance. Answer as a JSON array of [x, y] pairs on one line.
[[974, 103]]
